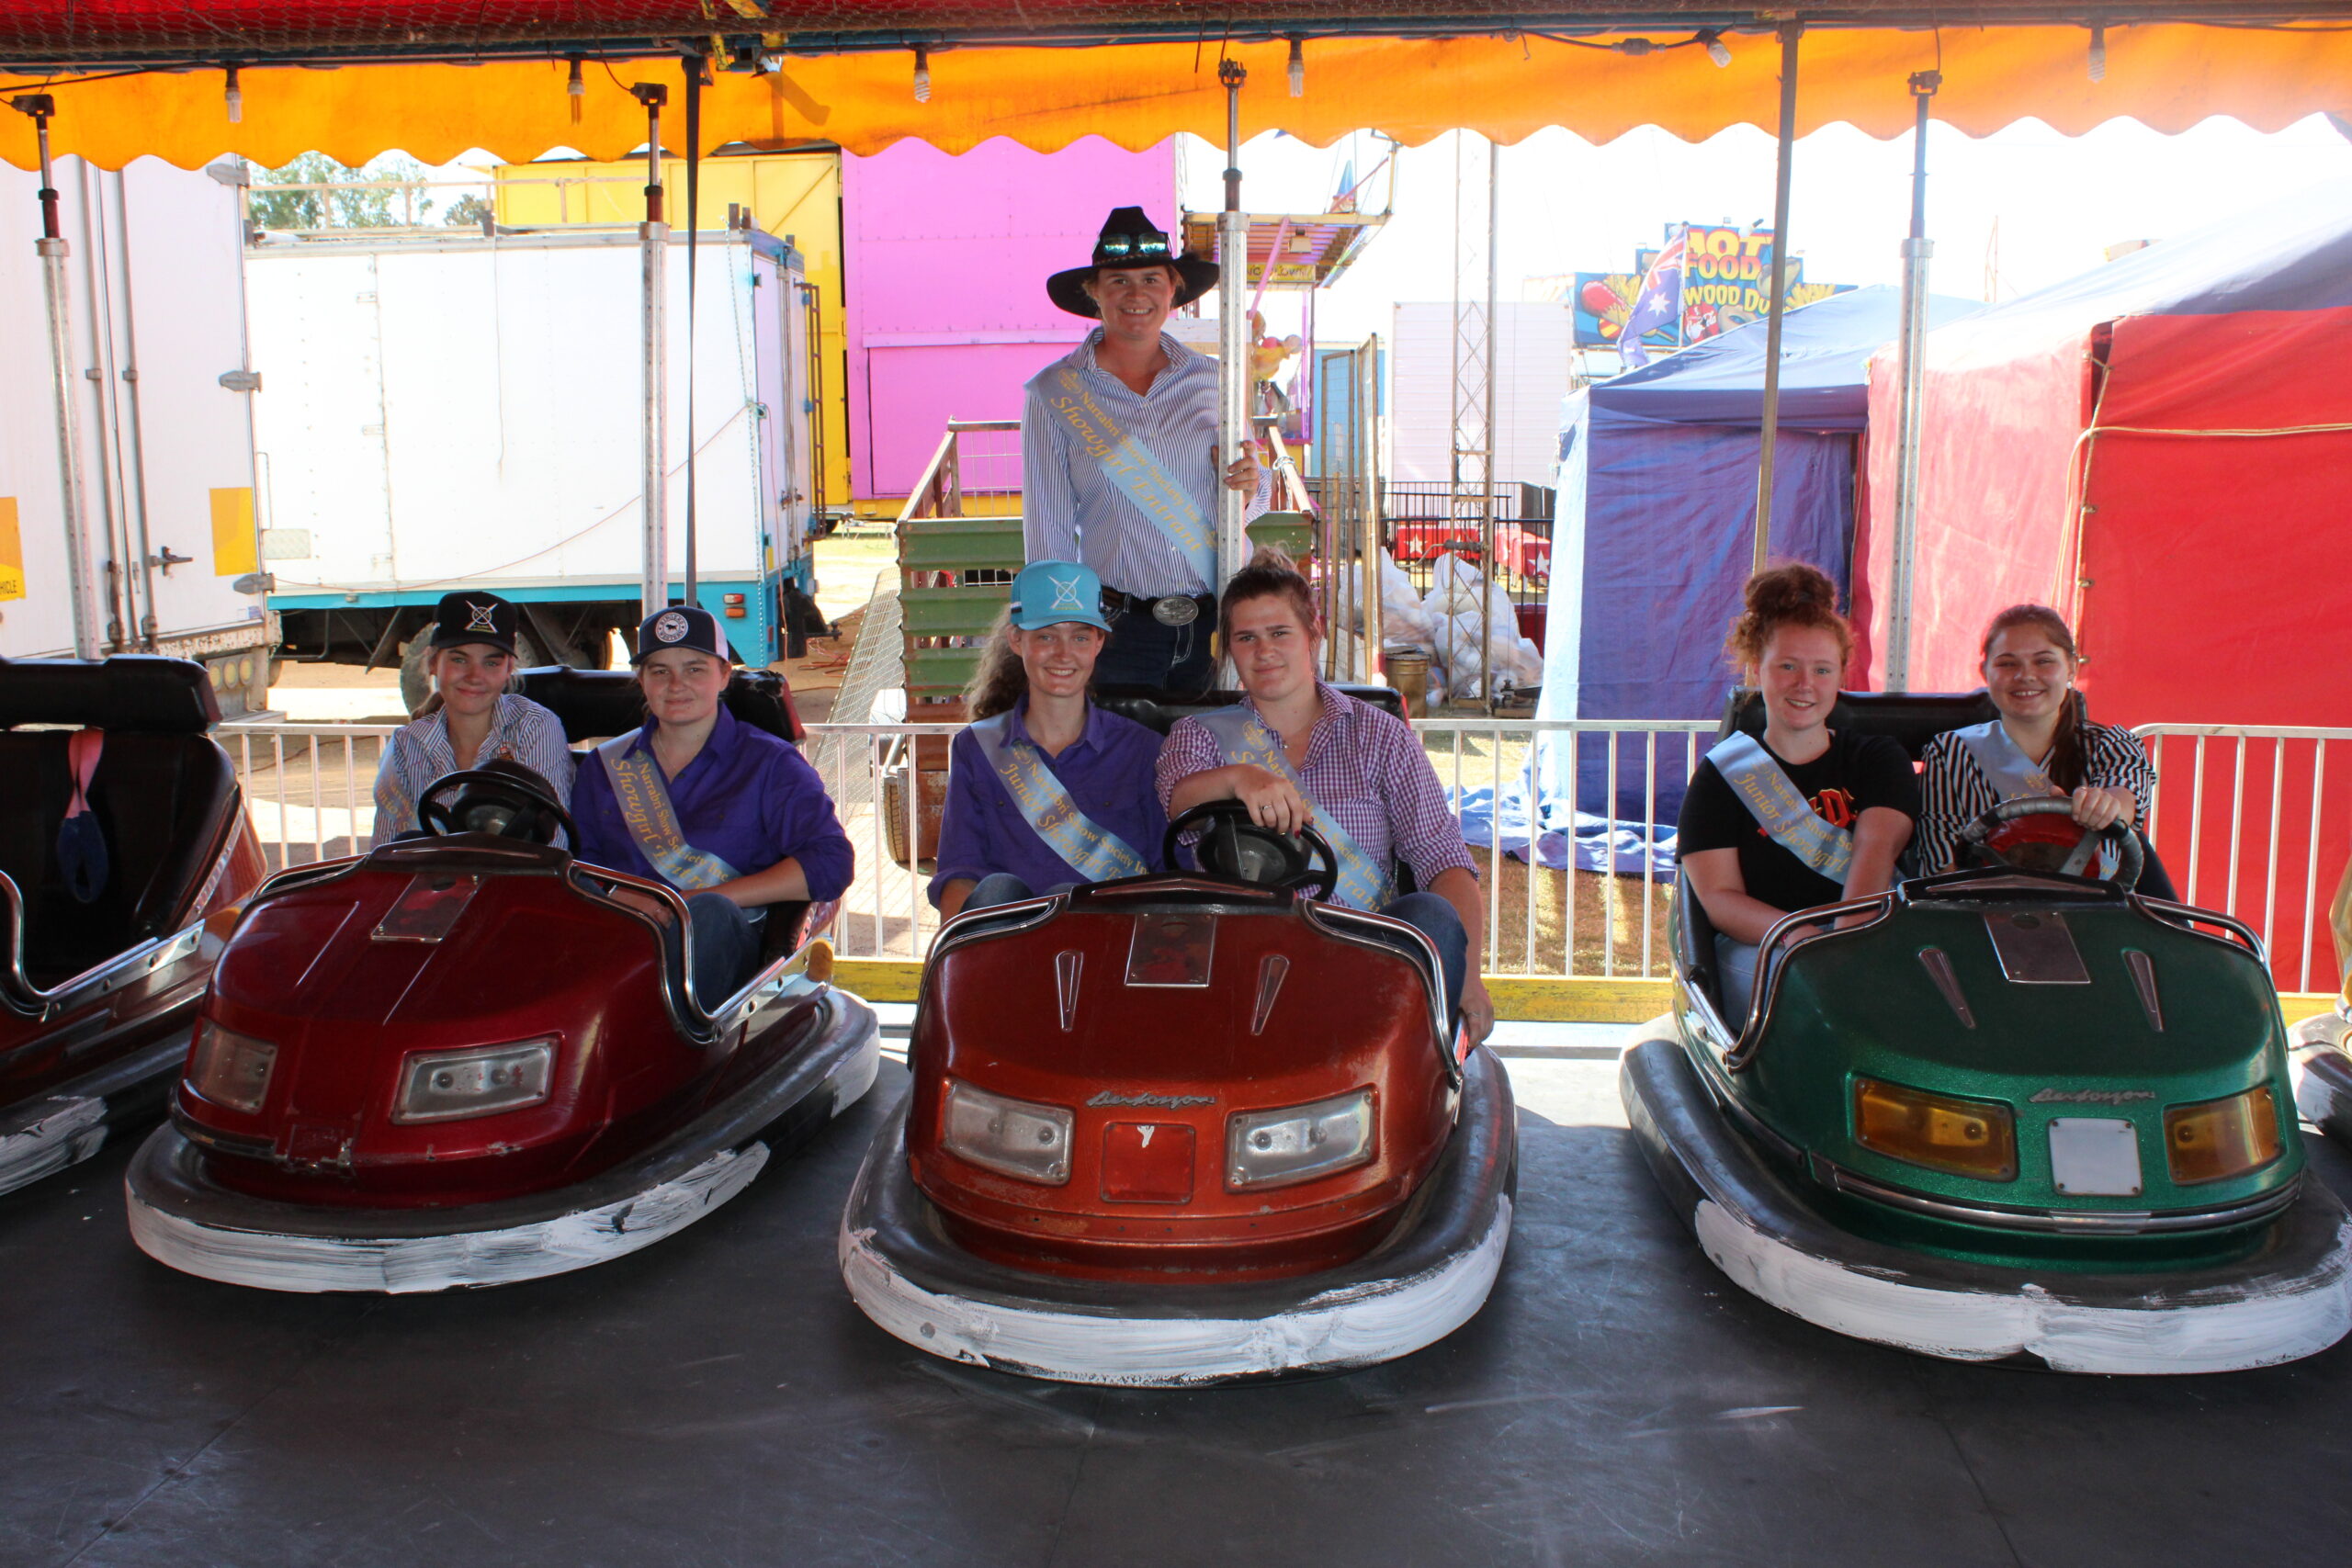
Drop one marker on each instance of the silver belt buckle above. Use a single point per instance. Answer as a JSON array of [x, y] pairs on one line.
[[1176, 610]]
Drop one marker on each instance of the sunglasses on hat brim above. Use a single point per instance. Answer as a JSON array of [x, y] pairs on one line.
[[1113, 248]]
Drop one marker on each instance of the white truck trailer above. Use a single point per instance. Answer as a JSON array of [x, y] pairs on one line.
[[465, 410], [162, 424]]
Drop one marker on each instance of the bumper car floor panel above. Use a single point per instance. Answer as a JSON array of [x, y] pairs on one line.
[[2292, 1300]]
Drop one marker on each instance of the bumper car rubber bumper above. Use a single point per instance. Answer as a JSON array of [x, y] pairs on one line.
[[2323, 1073], [1426, 1280], [2291, 1299], [71, 1121], [180, 1215]]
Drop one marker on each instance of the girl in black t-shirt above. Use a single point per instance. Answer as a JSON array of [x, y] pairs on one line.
[[1859, 794]]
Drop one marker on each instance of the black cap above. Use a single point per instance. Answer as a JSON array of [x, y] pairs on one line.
[[474, 618], [680, 625]]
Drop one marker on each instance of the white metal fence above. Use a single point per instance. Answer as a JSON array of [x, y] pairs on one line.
[[2250, 821]]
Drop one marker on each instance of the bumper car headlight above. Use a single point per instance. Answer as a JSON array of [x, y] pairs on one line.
[[444, 1086], [228, 1068], [1015, 1137], [2217, 1138], [1942, 1131], [1273, 1149]]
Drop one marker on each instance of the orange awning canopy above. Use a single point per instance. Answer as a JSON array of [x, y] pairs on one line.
[[2168, 75]]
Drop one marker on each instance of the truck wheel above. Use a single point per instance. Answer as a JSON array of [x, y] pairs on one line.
[[415, 684]]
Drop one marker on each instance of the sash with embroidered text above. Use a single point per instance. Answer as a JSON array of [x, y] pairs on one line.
[[1778, 809], [644, 801], [1093, 850], [1141, 477], [1241, 736]]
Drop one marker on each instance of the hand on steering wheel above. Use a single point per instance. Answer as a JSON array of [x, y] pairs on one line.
[[1236, 846], [2129, 858], [528, 801]]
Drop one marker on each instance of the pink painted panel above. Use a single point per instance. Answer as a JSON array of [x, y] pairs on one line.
[[944, 260]]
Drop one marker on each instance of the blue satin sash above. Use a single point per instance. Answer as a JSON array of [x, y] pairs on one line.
[[1778, 809], [643, 797], [1095, 853], [1242, 737], [1139, 475]]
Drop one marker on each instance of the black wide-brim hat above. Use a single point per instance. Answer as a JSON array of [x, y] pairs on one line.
[[1130, 238]]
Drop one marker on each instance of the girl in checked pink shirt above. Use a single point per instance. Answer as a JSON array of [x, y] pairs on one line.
[[1334, 762]]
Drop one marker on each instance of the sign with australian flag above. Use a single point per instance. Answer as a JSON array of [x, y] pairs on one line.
[[1707, 278]]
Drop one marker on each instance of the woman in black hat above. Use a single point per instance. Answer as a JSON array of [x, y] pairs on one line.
[[477, 722], [1119, 463]]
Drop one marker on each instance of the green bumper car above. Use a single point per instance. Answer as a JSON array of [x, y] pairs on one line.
[[2008, 1114]]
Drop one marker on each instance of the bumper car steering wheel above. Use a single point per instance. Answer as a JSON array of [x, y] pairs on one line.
[[1233, 845], [503, 800], [2029, 844]]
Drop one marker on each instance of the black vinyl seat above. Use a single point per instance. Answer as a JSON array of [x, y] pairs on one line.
[[594, 704], [1157, 711], [165, 797], [1912, 718]]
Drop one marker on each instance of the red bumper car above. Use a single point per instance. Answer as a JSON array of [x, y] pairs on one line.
[[1184, 1129], [460, 1060], [96, 991]]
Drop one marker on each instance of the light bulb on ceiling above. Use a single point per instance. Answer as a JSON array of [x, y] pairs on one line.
[[2098, 53], [922, 74], [235, 98], [1717, 50], [1298, 68], [575, 89]]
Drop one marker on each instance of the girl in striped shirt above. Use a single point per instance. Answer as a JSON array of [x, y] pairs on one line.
[[2040, 744]]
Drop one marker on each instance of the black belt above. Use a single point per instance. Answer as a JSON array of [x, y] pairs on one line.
[[1116, 603]]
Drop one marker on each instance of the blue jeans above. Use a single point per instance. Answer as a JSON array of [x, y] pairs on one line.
[[1003, 887], [1142, 652], [726, 944], [1437, 920], [1734, 979]]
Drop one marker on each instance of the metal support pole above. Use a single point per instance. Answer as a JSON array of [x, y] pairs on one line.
[[51, 249], [1489, 559], [1365, 404], [1233, 336], [1911, 364], [653, 235], [1789, 32]]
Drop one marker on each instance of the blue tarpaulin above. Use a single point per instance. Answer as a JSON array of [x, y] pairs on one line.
[[1654, 534]]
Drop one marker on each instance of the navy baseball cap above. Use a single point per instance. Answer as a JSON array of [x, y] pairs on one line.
[[1048, 592], [474, 618], [680, 625]]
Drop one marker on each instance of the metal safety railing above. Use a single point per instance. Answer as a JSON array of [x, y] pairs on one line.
[[2254, 821], [2251, 820]]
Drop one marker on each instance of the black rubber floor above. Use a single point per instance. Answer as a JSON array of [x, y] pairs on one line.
[[719, 1400]]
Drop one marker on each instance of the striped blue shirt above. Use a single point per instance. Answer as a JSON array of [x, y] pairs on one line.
[[1070, 511]]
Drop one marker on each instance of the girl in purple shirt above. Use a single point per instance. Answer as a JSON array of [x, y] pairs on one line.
[[1036, 748]]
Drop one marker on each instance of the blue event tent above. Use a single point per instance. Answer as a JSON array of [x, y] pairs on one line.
[[1654, 532]]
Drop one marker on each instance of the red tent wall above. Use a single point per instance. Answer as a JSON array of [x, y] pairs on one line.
[[2216, 597], [1997, 434]]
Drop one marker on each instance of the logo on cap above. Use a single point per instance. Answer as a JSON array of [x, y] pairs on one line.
[[480, 617], [670, 626], [1065, 594]]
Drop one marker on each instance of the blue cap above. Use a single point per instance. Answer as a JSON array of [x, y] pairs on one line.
[[1048, 592], [680, 625]]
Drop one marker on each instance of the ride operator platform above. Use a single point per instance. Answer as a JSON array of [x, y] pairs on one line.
[[1119, 456]]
